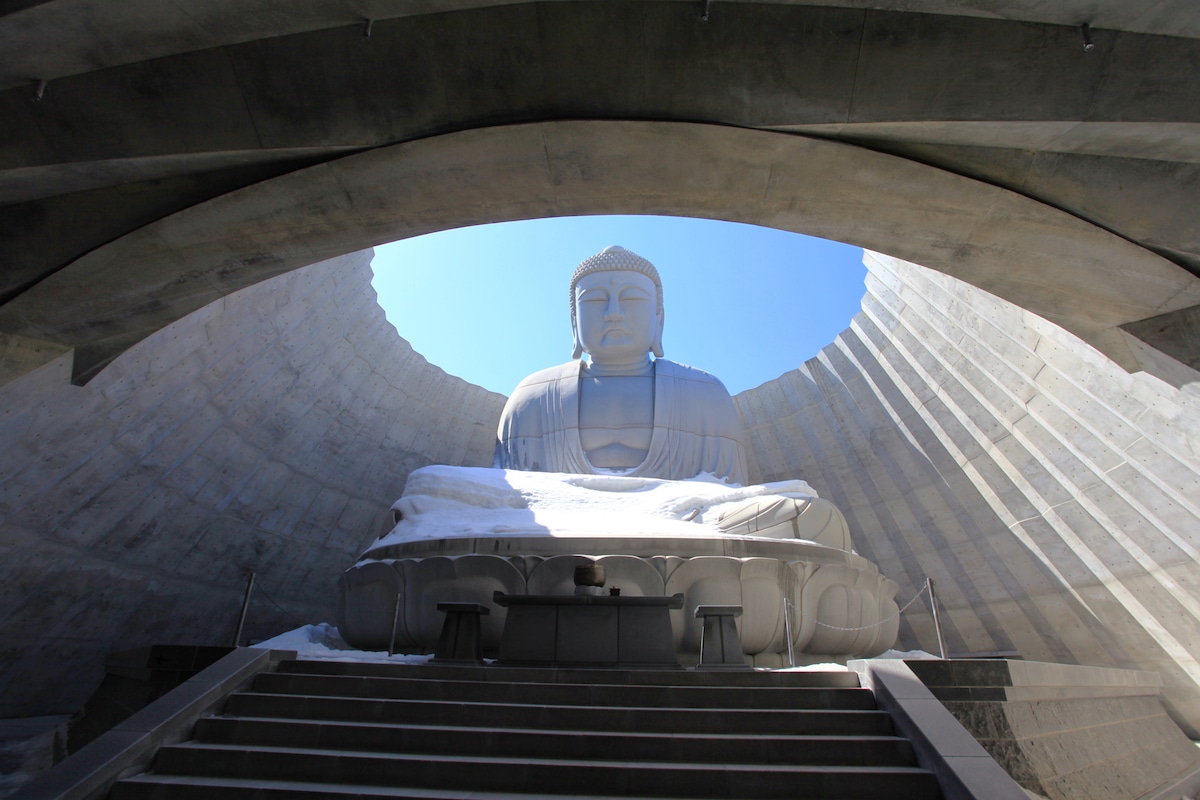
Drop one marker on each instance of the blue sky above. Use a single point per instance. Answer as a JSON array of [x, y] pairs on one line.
[[489, 303]]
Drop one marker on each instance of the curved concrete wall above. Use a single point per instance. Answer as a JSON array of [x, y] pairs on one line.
[[269, 431], [1054, 498], [1050, 494]]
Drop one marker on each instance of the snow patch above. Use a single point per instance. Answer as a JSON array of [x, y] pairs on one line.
[[442, 502], [322, 641]]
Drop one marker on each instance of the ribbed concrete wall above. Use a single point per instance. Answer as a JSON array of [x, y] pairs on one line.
[[1053, 497], [269, 431]]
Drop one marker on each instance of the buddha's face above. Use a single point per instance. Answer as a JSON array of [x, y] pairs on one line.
[[616, 315]]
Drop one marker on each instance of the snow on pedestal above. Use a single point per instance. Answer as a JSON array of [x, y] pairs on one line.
[[464, 533]]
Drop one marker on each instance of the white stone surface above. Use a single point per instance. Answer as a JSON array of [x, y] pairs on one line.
[[684, 423], [465, 533], [840, 605]]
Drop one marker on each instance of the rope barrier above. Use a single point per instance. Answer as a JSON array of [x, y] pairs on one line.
[[266, 594]]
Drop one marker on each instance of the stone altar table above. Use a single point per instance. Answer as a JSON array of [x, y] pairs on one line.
[[588, 631]]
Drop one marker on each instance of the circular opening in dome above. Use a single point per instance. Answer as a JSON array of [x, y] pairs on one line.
[[489, 303]]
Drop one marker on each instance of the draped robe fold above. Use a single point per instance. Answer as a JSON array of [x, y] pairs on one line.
[[696, 426]]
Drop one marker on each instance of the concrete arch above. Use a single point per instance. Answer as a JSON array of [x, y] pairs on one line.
[[1053, 264], [965, 438]]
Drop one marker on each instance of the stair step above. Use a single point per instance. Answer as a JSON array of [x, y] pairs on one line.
[[565, 693], [580, 744], [187, 787], [545, 775], [560, 717], [437, 732], [441, 672]]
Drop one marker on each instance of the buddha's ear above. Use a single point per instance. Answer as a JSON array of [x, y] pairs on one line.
[[656, 345], [578, 351]]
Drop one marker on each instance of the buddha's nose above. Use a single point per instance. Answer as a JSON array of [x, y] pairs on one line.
[[614, 309]]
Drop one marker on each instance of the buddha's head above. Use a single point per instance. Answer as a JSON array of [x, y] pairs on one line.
[[616, 307]]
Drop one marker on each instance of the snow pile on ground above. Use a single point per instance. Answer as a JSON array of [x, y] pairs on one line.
[[323, 642], [441, 502], [908, 655], [830, 666]]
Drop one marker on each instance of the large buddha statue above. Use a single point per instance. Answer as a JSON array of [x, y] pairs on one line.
[[620, 412], [623, 413], [634, 462]]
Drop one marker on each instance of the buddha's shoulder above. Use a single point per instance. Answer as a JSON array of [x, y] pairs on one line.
[[542, 386], [538, 380], [535, 396], [683, 372]]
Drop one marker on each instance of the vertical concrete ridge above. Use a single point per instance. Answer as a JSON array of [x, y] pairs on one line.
[[269, 431], [955, 434], [1071, 468], [1052, 496], [1050, 488], [922, 490]]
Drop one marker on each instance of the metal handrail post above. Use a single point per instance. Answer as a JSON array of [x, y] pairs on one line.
[[787, 626], [237, 637], [937, 620], [395, 622]]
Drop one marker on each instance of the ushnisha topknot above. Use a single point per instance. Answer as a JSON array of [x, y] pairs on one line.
[[616, 257]]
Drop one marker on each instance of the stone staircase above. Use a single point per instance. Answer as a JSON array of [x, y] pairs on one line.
[[318, 729]]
